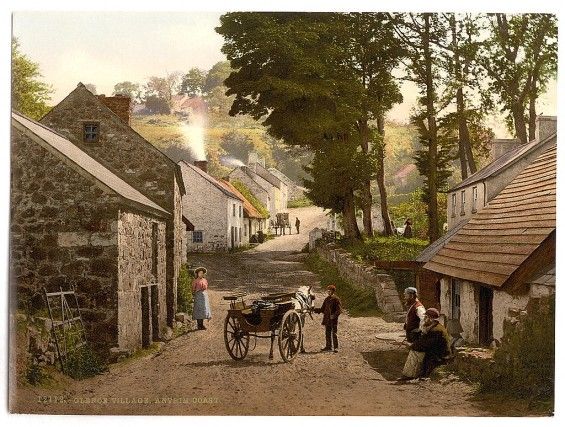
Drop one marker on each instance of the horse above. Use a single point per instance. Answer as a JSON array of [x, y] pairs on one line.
[[304, 304]]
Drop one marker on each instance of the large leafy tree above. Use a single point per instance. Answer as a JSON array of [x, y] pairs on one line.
[[193, 81], [297, 73], [520, 57], [163, 88], [29, 93], [216, 76]]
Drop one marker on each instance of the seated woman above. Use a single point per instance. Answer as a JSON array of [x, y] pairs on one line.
[[429, 350]]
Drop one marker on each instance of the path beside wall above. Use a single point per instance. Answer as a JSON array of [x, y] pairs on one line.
[[358, 274]]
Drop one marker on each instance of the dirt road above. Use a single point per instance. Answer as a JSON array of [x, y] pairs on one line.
[[193, 374]]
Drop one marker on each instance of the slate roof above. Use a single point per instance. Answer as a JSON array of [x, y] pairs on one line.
[[266, 175], [500, 164], [545, 276], [217, 184], [248, 208], [61, 146], [494, 243]]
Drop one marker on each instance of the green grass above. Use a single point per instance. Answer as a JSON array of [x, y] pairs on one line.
[[242, 188], [386, 248], [299, 203], [358, 301]]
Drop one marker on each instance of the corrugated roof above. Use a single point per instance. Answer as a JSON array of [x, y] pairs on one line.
[[248, 208], [498, 239], [500, 164], [186, 178], [62, 146]]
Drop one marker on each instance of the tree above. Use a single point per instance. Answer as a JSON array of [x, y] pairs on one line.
[[192, 82], [157, 105], [132, 90], [216, 76], [520, 56], [91, 87], [308, 89], [421, 33], [163, 87], [29, 93]]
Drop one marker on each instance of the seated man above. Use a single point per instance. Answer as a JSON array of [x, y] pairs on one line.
[[429, 350]]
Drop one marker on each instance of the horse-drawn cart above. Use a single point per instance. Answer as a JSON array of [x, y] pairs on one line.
[[273, 316]]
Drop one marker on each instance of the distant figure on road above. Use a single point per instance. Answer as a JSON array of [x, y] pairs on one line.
[[331, 307], [297, 225], [201, 308], [407, 228]]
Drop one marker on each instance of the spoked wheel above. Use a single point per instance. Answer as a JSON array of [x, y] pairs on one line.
[[236, 340], [290, 335]]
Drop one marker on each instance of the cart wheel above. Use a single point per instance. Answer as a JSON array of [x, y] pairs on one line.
[[236, 340], [290, 335]]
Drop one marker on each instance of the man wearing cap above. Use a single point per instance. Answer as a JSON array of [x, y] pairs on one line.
[[331, 307], [429, 350], [415, 314]]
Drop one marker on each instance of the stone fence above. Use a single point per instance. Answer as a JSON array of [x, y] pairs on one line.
[[358, 274]]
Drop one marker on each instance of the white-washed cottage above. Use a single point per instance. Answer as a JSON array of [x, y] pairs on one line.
[[215, 211], [295, 191], [509, 159], [502, 259], [76, 225]]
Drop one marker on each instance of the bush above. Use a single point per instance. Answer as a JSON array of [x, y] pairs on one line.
[[35, 374], [83, 363], [524, 364], [242, 188], [299, 203], [386, 248], [357, 300], [184, 291]]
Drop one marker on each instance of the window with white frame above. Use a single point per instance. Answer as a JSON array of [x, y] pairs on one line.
[[475, 198], [453, 204], [463, 202]]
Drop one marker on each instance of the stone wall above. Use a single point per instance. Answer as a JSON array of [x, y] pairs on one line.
[[135, 236], [62, 233], [359, 274], [131, 157]]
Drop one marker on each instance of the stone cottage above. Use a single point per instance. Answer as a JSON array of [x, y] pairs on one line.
[[99, 126], [509, 159], [278, 190], [75, 223], [295, 191], [215, 211], [503, 258], [254, 221]]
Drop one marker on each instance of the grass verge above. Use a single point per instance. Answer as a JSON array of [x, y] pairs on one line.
[[358, 301]]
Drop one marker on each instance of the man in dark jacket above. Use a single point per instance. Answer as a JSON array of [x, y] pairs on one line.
[[433, 345], [331, 307], [414, 315]]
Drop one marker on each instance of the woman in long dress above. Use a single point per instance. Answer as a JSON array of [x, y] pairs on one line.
[[201, 308]]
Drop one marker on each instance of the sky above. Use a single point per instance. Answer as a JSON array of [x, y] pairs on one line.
[[104, 48]]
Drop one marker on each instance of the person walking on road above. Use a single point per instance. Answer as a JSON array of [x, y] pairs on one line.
[[297, 225], [201, 308], [331, 308]]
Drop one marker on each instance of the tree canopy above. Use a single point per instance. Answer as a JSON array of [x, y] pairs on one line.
[[29, 93]]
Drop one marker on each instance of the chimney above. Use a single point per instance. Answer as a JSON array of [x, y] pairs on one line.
[[119, 104], [545, 126], [202, 164], [498, 147]]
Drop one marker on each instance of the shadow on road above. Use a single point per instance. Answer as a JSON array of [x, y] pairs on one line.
[[388, 363]]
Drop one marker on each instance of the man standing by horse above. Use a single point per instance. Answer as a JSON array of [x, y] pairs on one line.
[[331, 308]]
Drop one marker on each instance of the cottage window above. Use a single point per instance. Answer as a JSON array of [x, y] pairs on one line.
[[245, 230], [463, 202], [453, 204], [240, 234], [455, 299], [91, 132], [475, 198], [197, 236], [234, 209], [240, 211]]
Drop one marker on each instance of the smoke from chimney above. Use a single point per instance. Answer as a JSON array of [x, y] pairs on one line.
[[193, 134]]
